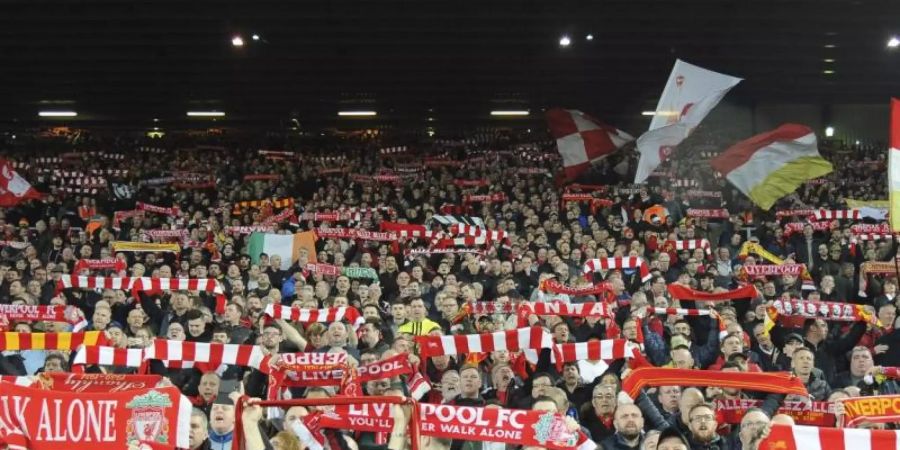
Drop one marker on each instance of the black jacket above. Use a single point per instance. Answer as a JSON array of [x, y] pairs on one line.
[[616, 442]]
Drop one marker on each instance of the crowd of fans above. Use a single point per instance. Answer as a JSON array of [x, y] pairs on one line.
[[416, 295]]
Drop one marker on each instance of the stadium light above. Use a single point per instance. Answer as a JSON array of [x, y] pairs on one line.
[[205, 114], [57, 113], [829, 131], [237, 41], [510, 113], [255, 37], [356, 113], [589, 37], [564, 41], [893, 42]]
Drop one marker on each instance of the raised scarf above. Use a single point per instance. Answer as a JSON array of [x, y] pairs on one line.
[[353, 233], [717, 213], [877, 409], [795, 212], [128, 246], [553, 286], [606, 264], [773, 382], [326, 315], [278, 203], [144, 284], [800, 437], [840, 214], [820, 414], [164, 210], [688, 244], [832, 311], [511, 340], [680, 292], [99, 264], [50, 341]]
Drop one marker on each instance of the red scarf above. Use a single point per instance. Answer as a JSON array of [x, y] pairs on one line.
[[87, 421], [553, 286], [720, 213], [166, 211], [99, 264], [680, 292], [774, 382], [820, 414]]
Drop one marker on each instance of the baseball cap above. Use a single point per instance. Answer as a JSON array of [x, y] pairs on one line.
[[793, 337]]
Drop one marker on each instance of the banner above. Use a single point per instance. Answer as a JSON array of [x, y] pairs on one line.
[[878, 409], [33, 313], [96, 382], [510, 426], [842, 312], [820, 414], [304, 373], [49, 420]]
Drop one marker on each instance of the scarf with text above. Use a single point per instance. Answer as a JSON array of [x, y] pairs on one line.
[[752, 247], [820, 414], [768, 270], [478, 308], [324, 371], [99, 264], [326, 315], [278, 203], [874, 268], [832, 311], [680, 292], [157, 417], [877, 409], [587, 309], [441, 251], [164, 210], [718, 213], [140, 247], [353, 233], [95, 382], [606, 264], [167, 235], [37, 313], [553, 286], [795, 212], [511, 340], [797, 227], [499, 197], [471, 183], [772, 382], [248, 229]]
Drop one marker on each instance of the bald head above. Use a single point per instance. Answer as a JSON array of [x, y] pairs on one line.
[[690, 397]]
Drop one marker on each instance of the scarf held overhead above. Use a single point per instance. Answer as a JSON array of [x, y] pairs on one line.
[[606, 264], [773, 382], [680, 292], [511, 340]]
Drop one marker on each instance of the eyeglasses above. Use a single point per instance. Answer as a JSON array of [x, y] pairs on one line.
[[607, 396], [543, 385], [704, 418]]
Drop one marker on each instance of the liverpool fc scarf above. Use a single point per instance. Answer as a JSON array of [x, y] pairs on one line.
[[841, 214], [99, 264], [512, 340], [842, 312], [203, 355], [768, 270], [680, 292], [877, 409], [606, 264], [278, 203], [795, 212], [553, 286], [37, 419], [327, 315], [689, 244], [773, 382], [136, 285], [353, 233], [164, 210], [95, 382], [820, 414], [127, 246], [720, 213]]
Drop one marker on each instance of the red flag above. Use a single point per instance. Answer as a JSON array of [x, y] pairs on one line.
[[14, 188], [581, 139]]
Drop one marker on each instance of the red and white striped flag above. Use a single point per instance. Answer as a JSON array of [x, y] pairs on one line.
[[798, 437], [630, 262], [582, 140], [469, 230], [326, 315], [512, 340], [184, 354], [840, 214]]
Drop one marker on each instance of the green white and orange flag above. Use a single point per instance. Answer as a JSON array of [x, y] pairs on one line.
[[771, 165], [894, 166]]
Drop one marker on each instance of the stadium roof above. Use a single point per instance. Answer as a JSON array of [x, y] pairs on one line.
[[131, 61]]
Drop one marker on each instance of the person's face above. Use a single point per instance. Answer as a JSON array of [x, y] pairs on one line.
[[802, 362], [561, 333], [337, 333], [209, 386], [101, 318], [683, 359], [731, 346], [135, 318], [668, 397], [271, 338], [751, 423], [671, 443], [370, 334], [221, 418], [539, 386], [232, 314], [860, 362], [175, 332], [570, 374], [196, 327], [470, 382], [629, 421], [53, 365], [887, 314], [450, 385], [703, 424], [629, 330], [417, 310], [198, 432], [762, 338], [683, 328]]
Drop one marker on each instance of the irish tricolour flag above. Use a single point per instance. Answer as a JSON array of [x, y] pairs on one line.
[[285, 245], [771, 165]]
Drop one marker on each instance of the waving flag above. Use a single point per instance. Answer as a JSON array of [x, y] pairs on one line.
[[14, 188], [690, 94], [894, 166], [771, 165], [582, 140]]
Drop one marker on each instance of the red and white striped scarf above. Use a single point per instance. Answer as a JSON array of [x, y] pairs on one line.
[[631, 262], [799, 437], [795, 212], [839, 214], [587, 309], [471, 183], [353, 233], [211, 285], [470, 230], [797, 227], [607, 350], [690, 244], [868, 228], [719, 213], [119, 216], [871, 237], [167, 211], [326, 315], [185, 354], [511, 340], [107, 356], [406, 230]]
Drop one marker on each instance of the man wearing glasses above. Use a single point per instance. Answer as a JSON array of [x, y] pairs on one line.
[[703, 427], [600, 422]]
